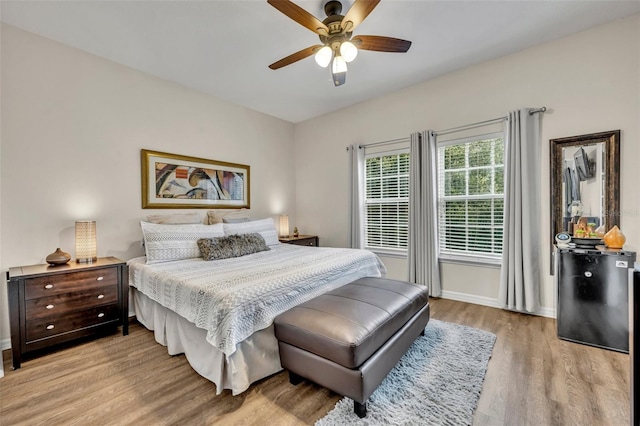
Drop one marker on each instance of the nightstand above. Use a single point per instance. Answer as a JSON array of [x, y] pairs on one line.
[[50, 305], [301, 240]]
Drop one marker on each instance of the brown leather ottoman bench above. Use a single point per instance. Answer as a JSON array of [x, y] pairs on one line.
[[349, 339]]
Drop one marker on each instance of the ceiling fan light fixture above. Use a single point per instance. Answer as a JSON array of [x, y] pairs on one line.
[[348, 51], [323, 56], [339, 65], [335, 32]]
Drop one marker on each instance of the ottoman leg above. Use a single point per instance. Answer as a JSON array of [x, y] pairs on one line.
[[294, 379], [360, 409]]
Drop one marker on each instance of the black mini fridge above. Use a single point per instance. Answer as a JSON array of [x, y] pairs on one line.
[[593, 297], [634, 343]]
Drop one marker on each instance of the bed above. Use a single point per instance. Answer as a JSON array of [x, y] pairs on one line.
[[220, 313]]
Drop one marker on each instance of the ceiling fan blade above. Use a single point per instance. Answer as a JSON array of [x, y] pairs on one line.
[[300, 15], [295, 57], [360, 9], [381, 43]]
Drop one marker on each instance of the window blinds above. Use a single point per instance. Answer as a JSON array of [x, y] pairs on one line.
[[471, 196]]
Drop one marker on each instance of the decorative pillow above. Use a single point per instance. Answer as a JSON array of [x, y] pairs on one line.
[[217, 216], [175, 218], [265, 227], [164, 243], [231, 220], [231, 246]]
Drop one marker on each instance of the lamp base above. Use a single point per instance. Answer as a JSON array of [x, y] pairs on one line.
[[87, 260]]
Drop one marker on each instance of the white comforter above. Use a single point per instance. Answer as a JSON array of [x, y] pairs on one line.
[[233, 298]]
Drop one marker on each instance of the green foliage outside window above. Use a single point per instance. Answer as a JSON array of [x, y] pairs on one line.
[[471, 205]]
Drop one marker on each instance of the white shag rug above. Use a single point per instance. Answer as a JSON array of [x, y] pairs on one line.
[[437, 382]]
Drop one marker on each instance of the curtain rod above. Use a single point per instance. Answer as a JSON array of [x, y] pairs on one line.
[[484, 123], [452, 130], [389, 142], [469, 126]]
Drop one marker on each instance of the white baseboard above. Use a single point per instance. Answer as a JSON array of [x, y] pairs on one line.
[[547, 312], [5, 344], [488, 301]]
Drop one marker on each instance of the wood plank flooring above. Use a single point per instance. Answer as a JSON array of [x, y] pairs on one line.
[[533, 378]]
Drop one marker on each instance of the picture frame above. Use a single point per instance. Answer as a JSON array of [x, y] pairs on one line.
[[172, 181], [602, 200]]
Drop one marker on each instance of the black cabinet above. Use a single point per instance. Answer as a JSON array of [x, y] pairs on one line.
[[301, 240], [593, 297]]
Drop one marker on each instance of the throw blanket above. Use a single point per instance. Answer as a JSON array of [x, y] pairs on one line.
[[233, 298]]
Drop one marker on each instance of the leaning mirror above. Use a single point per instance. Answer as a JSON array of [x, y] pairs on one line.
[[585, 183]]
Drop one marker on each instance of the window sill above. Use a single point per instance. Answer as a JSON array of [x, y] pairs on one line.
[[472, 261]]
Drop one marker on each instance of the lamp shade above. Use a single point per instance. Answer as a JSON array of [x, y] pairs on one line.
[[86, 247], [348, 51], [284, 225], [323, 56]]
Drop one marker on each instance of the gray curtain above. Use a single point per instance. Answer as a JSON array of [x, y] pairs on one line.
[[356, 196], [520, 273], [423, 197]]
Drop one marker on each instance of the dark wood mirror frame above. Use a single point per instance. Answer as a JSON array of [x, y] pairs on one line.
[[611, 208]]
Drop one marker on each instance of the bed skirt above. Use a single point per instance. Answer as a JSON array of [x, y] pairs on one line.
[[255, 357]]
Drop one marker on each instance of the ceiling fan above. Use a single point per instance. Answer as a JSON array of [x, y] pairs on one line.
[[338, 46]]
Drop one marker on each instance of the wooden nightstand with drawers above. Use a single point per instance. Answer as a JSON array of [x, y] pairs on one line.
[[50, 305], [301, 240]]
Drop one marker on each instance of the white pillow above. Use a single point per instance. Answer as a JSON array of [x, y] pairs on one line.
[[264, 227], [164, 243]]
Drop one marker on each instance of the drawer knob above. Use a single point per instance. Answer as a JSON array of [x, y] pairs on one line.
[[48, 286], [100, 278], [588, 274], [49, 306], [101, 314], [101, 296], [50, 327]]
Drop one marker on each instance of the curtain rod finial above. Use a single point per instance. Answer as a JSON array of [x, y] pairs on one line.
[[536, 110]]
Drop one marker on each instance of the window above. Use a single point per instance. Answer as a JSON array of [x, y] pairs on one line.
[[387, 202], [471, 198]]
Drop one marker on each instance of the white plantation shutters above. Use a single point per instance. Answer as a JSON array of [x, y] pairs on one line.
[[387, 201], [471, 198]]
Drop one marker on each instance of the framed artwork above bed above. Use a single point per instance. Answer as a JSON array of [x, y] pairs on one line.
[[172, 181]]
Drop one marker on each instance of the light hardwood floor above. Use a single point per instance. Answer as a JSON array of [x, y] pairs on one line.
[[533, 378]]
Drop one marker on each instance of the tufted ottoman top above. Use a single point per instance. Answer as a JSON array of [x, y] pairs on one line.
[[349, 324]]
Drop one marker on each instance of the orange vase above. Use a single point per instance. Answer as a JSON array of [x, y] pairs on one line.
[[614, 239]]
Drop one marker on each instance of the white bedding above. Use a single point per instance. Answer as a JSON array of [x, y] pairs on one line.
[[233, 298]]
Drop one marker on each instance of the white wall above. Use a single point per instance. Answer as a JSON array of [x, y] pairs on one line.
[[73, 125], [589, 81]]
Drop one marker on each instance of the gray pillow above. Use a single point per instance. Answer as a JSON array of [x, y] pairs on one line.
[[236, 220], [231, 246]]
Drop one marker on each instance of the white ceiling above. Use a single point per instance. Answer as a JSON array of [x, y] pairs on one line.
[[223, 47]]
